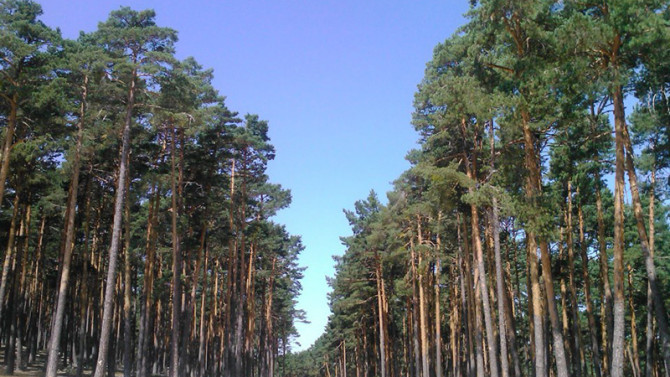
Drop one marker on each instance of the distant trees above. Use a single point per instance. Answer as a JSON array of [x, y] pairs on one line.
[[114, 151], [506, 214]]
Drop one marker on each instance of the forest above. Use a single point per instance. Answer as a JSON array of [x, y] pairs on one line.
[[135, 210], [530, 235]]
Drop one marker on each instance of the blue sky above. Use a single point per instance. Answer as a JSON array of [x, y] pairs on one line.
[[335, 80]]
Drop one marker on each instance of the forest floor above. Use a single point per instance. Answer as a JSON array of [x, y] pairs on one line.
[[36, 369]]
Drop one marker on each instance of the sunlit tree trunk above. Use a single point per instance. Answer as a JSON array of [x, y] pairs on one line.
[[648, 367], [659, 305], [120, 196], [618, 304]]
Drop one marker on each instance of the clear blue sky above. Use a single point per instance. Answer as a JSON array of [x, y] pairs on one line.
[[335, 80]]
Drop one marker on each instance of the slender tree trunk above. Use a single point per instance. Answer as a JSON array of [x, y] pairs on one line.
[[607, 319], [23, 291], [15, 351], [438, 316], [595, 348], [127, 331], [108, 302], [533, 191], [500, 290], [146, 322], [471, 315], [7, 146], [511, 332], [415, 314], [537, 309], [578, 352], [659, 305], [619, 305], [268, 362], [176, 267], [471, 171], [486, 306], [54, 342], [9, 252], [455, 335], [202, 336], [380, 311], [635, 354], [423, 321], [84, 295], [649, 350], [36, 294]]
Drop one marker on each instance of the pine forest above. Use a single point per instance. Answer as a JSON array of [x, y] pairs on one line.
[[529, 237]]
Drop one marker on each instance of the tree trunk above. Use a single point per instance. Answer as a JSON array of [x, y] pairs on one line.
[[202, 336], [9, 253], [127, 331], [14, 348], [635, 354], [659, 304], [578, 352], [536, 297], [7, 146], [423, 321], [533, 189], [595, 348], [54, 342], [649, 350], [415, 314], [380, 321], [84, 295], [176, 266], [500, 290], [438, 316], [619, 308], [486, 306], [146, 323], [470, 315], [607, 319], [108, 303]]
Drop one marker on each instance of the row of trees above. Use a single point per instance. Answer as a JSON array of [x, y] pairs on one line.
[[513, 245], [135, 209]]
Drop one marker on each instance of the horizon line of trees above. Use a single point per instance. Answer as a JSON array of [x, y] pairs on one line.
[[530, 237], [135, 209]]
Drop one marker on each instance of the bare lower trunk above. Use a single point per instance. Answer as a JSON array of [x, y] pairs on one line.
[[486, 305], [54, 342], [607, 320], [202, 335], [415, 314], [619, 309], [438, 316], [531, 241], [120, 196], [127, 333], [176, 269], [14, 344], [648, 367], [659, 304], [577, 350], [9, 252], [635, 354], [146, 323], [595, 348], [500, 283], [380, 311]]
